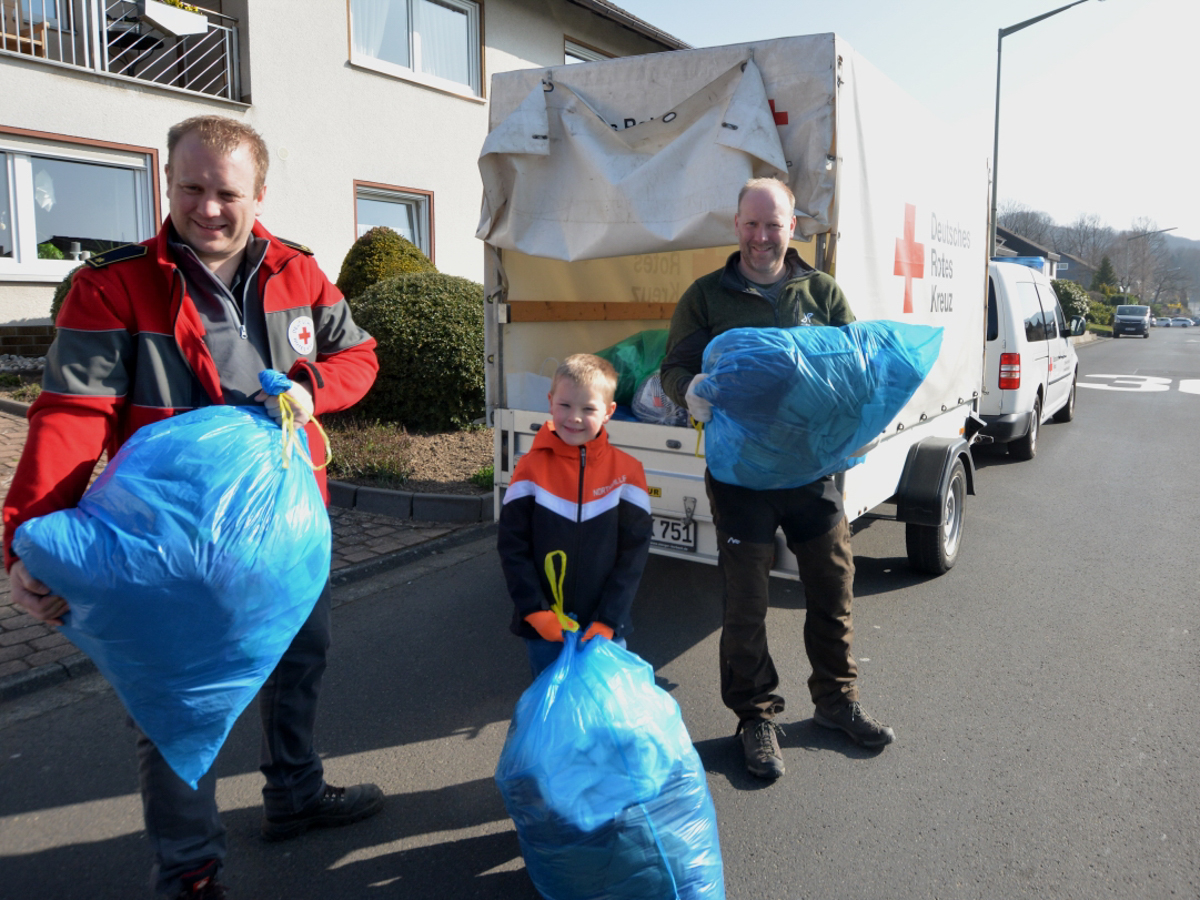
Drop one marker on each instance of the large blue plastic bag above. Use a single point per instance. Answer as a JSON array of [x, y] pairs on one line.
[[189, 566], [608, 794], [791, 404]]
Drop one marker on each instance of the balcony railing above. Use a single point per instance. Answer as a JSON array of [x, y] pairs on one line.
[[119, 37]]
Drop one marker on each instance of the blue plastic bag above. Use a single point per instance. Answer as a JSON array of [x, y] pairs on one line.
[[189, 566], [791, 404], [608, 794]]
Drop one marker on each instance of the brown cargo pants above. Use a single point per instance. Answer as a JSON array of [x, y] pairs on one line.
[[748, 676]]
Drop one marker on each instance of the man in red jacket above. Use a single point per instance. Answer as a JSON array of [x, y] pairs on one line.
[[184, 320]]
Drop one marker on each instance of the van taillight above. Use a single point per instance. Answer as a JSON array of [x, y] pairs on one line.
[[1010, 371]]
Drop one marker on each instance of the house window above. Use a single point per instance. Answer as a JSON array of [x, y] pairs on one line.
[[406, 211], [577, 53], [432, 41], [60, 204]]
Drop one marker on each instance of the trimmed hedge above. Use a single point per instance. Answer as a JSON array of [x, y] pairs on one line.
[[60, 294], [380, 253], [429, 328]]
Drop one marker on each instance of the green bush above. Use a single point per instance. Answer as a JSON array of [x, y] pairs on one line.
[[429, 327], [60, 294], [49, 251], [1100, 314], [380, 253], [1073, 297]]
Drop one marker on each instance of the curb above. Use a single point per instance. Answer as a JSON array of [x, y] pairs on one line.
[[21, 683], [370, 567], [457, 508], [80, 664], [13, 408]]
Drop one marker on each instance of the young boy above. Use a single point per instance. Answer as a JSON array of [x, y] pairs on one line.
[[575, 525]]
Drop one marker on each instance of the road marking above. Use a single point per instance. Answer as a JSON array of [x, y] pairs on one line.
[[1129, 383]]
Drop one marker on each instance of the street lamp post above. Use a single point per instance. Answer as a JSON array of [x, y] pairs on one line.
[[1004, 32]]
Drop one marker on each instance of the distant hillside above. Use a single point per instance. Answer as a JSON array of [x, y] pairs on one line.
[[1181, 243]]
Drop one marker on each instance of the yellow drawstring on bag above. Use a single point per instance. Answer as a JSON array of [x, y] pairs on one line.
[[290, 441], [699, 426], [556, 579]]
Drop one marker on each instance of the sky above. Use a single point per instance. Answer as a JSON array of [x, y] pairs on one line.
[[1099, 103]]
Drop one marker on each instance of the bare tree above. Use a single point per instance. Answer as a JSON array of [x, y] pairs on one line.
[[1144, 261], [1031, 224], [1087, 237]]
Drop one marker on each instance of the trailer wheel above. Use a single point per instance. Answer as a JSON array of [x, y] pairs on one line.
[[934, 548]]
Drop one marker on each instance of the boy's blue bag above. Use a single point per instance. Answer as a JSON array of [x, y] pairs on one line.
[[790, 405], [606, 790], [189, 566]]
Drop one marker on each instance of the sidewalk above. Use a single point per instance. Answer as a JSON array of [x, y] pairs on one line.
[[365, 542]]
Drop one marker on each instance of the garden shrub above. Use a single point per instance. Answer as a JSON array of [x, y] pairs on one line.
[[60, 294], [1073, 297], [380, 253], [1100, 314], [429, 327]]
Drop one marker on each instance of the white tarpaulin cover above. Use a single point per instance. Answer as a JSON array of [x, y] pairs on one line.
[[649, 172]]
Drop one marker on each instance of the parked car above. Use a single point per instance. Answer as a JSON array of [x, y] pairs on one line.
[[1131, 319], [1030, 364], [1164, 322], [1181, 322]]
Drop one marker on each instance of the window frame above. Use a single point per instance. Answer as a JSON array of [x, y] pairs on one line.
[[19, 146], [397, 194], [473, 90], [582, 52]]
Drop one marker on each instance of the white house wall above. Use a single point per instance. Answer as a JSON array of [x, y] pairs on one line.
[[327, 123]]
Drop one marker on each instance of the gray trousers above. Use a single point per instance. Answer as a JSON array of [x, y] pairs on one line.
[[183, 825]]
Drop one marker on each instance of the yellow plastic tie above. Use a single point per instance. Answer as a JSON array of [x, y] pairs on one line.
[[291, 442], [699, 426], [556, 579]]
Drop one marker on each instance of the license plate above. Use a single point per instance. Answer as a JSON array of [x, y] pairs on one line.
[[674, 533]]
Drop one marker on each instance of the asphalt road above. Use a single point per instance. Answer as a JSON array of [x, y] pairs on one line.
[[1043, 692]]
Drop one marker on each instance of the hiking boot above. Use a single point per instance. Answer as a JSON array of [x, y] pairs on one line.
[[201, 884], [850, 717], [761, 746], [336, 806]]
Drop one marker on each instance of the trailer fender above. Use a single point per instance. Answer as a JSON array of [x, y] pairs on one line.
[[926, 478]]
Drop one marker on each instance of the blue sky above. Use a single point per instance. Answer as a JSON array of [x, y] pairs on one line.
[[1099, 103]]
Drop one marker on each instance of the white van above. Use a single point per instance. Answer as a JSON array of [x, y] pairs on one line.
[[1030, 365]]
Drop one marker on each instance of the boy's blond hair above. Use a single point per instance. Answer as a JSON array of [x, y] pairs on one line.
[[587, 371]]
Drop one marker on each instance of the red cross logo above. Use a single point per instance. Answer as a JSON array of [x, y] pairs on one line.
[[305, 335], [781, 118], [910, 256]]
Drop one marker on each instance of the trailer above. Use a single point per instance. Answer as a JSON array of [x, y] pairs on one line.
[[610, 186]]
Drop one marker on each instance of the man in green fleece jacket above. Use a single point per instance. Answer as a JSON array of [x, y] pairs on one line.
[[766, 284]]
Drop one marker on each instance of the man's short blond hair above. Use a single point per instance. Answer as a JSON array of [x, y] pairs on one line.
[[770, 184], [224, 135], [589, 371]]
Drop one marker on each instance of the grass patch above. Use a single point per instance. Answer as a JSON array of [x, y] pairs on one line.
[[485, 478], [26, 393], [368, 451]]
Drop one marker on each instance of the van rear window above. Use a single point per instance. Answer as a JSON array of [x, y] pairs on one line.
[[1132, 310], [993, 322]]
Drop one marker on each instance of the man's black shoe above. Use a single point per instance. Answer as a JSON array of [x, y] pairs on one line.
[[202, 884], [759, 743], [336, 806], [850, 717]]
